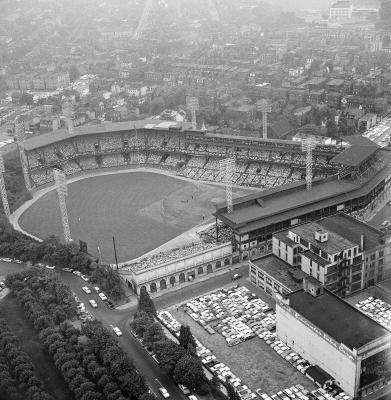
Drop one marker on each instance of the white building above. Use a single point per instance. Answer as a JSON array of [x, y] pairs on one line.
[[341, 9], [345, 343]]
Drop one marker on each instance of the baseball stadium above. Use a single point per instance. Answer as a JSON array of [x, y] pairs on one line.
[[152, 182]]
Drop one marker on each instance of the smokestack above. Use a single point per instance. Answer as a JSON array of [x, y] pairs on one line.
[[362, 243]]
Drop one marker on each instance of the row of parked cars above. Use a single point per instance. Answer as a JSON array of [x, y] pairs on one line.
[[300, 393], [11, 260], [209, 360], [376, 309], [235, 313]]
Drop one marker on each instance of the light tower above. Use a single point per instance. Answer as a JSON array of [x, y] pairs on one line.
[[3, 190], [228, 167], [67, 110], [193, 105], [265, 108], [62, 191], [143, 20], [19, 134], [308, 145]]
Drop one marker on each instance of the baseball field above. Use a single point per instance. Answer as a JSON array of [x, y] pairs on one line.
[[143, 210]]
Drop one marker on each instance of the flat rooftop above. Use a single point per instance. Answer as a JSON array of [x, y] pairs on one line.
[[282, 272], [352, 228], [337, 318], [335, 243]]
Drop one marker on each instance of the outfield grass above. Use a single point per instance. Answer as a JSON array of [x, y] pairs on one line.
[[142, 209], [44, 366], [253, 361]]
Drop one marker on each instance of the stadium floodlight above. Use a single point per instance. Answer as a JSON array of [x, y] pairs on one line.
[[62, 191], [308, 145], [20, 135], [3, 190], [228, 167], [193, 105], [68, 112], [264, 107], [143, 23]]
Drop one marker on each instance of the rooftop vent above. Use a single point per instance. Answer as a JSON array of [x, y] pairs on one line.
[[321, 235]]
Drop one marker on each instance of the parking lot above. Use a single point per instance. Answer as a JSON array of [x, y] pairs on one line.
[[251, 359]]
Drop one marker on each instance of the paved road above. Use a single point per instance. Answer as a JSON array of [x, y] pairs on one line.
[[140, 358]]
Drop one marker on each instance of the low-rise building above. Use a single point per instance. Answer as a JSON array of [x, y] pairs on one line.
[[341, 10], [329, 333]]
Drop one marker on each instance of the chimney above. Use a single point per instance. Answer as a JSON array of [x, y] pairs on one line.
[[362, 243]]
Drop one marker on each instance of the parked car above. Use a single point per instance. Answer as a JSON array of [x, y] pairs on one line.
[[184, 389], [117, 331], [163, 392], [50, 267], [96, 289], [85, 278], [102, 296], [110, 304], [78, 273], [86, 289], [66, 269], [93, 303]]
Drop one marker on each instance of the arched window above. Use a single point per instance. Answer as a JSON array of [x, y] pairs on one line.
[[209, 269], [153, 287], [163, 284], [200, 270], [227, 261], [218, 264], [172, 280], [182, 278]]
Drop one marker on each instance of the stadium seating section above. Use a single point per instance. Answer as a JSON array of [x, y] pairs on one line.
[[263, 167]]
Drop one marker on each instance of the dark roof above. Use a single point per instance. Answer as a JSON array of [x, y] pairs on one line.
[[36, 142], [290, 277], [353, 229], [335, 243], [360, 149], [337, 318], [282, 203], [318, 374]]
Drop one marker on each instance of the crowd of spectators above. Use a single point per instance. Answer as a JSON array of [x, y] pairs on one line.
[[264, 168], [170, 256]]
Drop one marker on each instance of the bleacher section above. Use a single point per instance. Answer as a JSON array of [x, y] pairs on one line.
[[262, 165]]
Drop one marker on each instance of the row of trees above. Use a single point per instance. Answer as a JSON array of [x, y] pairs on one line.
[[179, 360], [17, 372], [95, 367], [109, 281], [14, 244]]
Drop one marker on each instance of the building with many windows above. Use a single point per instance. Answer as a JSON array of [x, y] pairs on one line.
[[341, 10], [341, 253]]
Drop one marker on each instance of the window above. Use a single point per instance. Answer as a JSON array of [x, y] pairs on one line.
[[349, 253], [381, 253], [268, 281], [253, 270], [276, 286], [373, 257], [260, 275], [381, 261]]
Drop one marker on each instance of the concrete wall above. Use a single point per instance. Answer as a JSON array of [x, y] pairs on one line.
[[316, 349]]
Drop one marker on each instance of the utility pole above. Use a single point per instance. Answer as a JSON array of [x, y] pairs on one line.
[[115, 252]]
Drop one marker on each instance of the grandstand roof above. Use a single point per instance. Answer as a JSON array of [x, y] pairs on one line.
[[279, 204], [360, 149], [36, 142]]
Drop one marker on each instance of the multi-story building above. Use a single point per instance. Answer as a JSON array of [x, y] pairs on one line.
[[333, 335], [341, 10], [341, 253]]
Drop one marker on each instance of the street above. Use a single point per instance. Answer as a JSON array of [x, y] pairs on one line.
[[121, 318]]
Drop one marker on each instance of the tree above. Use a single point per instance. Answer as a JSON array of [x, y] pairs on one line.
[[186, 339], [168, 353], [141, 322], [153, 334], [231, 392], [188, 371], [146, 304]]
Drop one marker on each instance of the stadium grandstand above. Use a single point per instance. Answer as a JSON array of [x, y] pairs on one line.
[[362, 179], [173, 146]]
